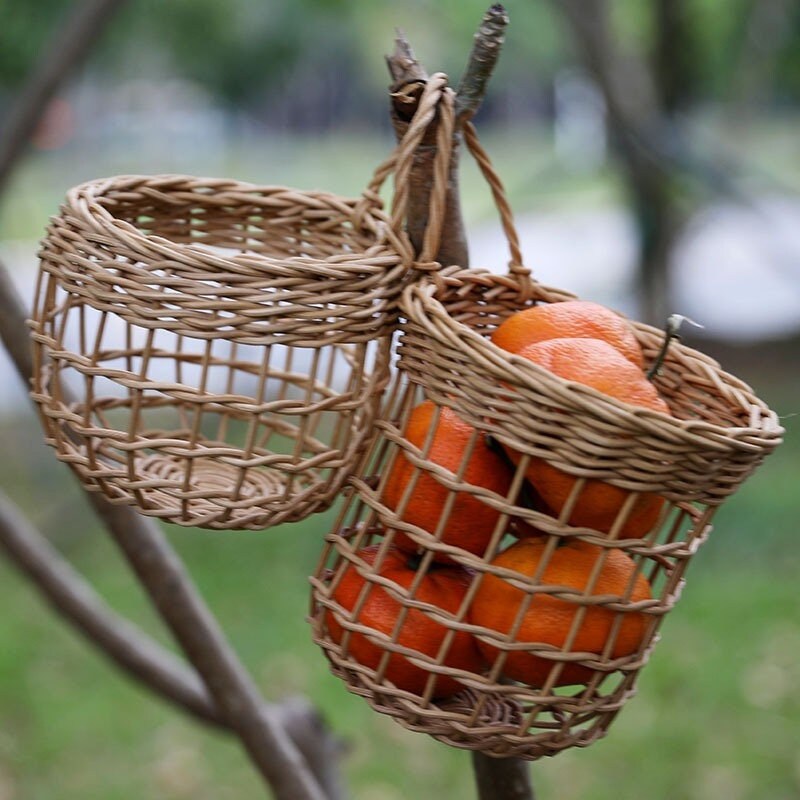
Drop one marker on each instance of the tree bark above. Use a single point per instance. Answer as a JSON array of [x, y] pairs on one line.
[[502, 778], [72, 598], [408, 79], [67, 49]]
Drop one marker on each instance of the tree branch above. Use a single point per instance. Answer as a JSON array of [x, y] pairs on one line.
[[144, 660], [496, 778], [674, 67], [502, 778], [72, 598], [237, 703], [65, 51], [636, 120], [321, 749], [408, 77], [482, 59], [180, 605]]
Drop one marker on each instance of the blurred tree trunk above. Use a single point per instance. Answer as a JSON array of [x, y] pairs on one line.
[[767, 29], [674, 55], [641, 101]]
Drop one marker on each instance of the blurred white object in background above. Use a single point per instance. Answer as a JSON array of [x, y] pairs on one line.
[[736, 269], [579, 126]]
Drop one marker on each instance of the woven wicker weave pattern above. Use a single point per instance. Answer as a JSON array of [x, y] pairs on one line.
[[211, 351], [717, 434], [720, 432], [492, 714], [217, 259], [533, 696]]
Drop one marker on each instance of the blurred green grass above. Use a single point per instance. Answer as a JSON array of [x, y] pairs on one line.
[[714, 718]]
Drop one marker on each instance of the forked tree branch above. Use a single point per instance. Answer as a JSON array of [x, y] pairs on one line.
[[194, 627], [143, 659], [72, 598], [408, 77], [67, 49], [237, 700]]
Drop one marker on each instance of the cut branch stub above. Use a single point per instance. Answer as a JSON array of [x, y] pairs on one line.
[[409, 78], [403, 65]]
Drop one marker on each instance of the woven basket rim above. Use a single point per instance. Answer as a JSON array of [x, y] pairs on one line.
[[84, 200], [420, 299]]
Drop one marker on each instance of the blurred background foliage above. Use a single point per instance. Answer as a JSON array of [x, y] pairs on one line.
[[295, 93], [247, 54]]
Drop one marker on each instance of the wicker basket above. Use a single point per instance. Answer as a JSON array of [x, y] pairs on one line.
[[213, 351], [400, 644]]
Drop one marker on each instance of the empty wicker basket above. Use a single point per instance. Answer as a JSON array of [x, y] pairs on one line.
[[213, 351]]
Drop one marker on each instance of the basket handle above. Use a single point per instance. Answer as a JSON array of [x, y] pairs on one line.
[[437, 96]]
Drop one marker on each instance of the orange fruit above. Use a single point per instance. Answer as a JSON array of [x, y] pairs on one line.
[[471, 522], [568, 320], [597, 364], [443, 586], [549, 619]]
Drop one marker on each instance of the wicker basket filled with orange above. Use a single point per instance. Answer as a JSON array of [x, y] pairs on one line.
[[544, 471]]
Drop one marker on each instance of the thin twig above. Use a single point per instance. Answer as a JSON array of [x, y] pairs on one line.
[[72, 598], [482, 59], [673, 325], [68, 47]]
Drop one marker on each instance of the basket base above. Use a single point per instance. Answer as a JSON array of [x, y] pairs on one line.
[[213, 494]]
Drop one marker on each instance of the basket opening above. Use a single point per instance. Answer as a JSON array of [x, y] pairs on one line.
[[691, 383], [278, 223]]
